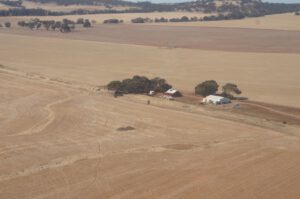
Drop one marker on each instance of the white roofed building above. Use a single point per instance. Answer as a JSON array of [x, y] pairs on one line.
[[173, 93], [214, 99]]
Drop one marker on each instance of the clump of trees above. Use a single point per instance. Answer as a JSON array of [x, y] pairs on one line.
[[210, 87], [142, 20], [112, 21], [63, 26], [139, 84]]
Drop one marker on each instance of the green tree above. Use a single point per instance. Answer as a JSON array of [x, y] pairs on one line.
[[159, 85], [230, 89], [206, 88], [114, 85]]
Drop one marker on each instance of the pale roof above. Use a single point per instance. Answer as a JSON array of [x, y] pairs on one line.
[[214, 97], [171, 91]]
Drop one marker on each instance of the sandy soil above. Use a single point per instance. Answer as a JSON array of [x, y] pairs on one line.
[[60, 140], [259, 75]]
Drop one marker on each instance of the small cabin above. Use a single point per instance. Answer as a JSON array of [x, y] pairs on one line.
[[172, 93], [214, 99]]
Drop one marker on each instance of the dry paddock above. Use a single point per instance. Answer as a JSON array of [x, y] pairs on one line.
[[60, 140]]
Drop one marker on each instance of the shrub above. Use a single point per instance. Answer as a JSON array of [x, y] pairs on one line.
[[206, 88], [7, 24], [87, 24], [22, 23], [80, 21]]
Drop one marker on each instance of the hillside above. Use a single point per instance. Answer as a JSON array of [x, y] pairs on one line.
[[237, 8]]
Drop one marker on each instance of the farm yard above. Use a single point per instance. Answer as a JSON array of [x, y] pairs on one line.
[[62, 135]]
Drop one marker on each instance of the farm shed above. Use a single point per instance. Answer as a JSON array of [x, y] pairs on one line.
[[173, 93], [214, 99]]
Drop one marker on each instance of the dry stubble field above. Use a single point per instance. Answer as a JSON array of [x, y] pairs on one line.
[[59, 137]]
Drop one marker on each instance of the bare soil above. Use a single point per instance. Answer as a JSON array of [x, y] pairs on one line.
[[205, 38]]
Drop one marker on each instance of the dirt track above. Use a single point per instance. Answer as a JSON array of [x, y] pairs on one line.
[[78, 153]]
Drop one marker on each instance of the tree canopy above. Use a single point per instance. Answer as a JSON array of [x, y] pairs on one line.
[[206, 88], [139, 84], [230, 89]]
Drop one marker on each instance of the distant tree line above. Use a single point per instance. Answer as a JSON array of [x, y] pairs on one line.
[[191, 19], [17, 3], [246, 8], [139, 84], [43, 12], [63, 26]]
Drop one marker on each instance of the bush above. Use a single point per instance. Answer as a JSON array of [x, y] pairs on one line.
[[7, 24], [87, 24], [206, 88], [22, 23]]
